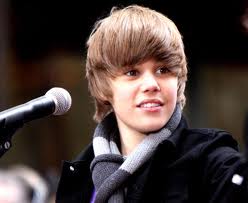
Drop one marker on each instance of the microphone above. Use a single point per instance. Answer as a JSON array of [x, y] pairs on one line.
[[56, 101]]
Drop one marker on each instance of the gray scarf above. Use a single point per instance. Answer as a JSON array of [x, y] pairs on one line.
[[109, 169]]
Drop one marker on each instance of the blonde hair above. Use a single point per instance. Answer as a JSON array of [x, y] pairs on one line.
[[127, 37]]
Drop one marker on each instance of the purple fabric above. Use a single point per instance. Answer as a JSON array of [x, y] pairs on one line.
[[93, 196]]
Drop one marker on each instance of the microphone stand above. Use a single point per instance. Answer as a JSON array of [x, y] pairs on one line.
[[6, 133]]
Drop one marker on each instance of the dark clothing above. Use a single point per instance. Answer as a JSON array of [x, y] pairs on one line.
[[193, 165]]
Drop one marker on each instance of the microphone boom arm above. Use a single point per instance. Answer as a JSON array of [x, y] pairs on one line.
[[6, 135]]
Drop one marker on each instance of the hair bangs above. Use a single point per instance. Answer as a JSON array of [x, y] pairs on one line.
[[134, 39]]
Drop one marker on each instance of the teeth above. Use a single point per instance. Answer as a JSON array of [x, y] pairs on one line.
[[149, 105]]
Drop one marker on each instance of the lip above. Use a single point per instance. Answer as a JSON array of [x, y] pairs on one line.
[[150, 105]]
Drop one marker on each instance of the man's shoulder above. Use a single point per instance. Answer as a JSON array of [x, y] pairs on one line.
[[186, 139], [207, 134], [206, 137], [185, 133]]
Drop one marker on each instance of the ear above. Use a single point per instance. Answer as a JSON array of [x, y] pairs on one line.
[[106, 102], [106, 98]]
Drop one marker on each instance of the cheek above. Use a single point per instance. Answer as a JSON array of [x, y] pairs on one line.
[[122, 94], [174, 91], [171, 90]]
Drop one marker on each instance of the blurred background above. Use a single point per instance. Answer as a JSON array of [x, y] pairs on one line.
[[42, 45]]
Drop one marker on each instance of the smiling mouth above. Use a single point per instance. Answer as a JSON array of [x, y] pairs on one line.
[[150, 105]]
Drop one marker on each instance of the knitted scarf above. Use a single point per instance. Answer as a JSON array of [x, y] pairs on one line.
[[110, 169]]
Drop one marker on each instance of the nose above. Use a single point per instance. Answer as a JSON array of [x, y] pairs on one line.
[[149, 84]]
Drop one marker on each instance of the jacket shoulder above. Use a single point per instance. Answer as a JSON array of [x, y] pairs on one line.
[[198, 139], [212, 135], [187, 137]]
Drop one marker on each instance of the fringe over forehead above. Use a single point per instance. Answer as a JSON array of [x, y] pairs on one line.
[[131, 35]]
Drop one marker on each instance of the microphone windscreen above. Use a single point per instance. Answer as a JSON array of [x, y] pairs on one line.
[[61, 98]]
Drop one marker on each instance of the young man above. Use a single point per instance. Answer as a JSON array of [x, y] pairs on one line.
[[142, 149]]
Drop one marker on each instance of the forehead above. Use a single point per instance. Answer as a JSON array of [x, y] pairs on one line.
[[149, 63]]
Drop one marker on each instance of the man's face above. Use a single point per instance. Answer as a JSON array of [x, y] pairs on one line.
[[144, 97]]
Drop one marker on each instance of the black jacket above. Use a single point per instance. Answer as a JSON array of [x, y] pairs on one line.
[[193, 166]]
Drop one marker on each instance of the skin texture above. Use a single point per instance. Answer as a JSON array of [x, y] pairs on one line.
[[144, 98]]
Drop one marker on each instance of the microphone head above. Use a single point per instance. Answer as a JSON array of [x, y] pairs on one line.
[[61, 98]]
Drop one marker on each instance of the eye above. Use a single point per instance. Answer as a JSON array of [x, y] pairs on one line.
[[132, 73], [162, 70]]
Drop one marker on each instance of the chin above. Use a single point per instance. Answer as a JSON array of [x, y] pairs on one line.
[[152, 127]]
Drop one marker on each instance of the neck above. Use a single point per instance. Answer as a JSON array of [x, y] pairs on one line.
[[129, 140]]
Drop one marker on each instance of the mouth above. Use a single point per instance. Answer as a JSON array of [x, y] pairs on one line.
[[150, 104]]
